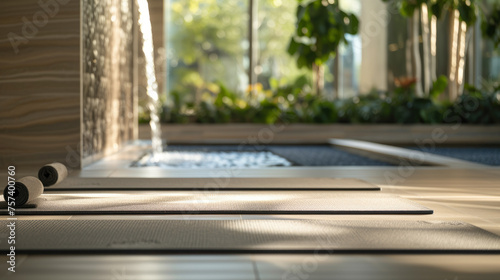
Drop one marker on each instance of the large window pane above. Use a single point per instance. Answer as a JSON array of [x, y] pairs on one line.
[[349, 59], [206, 43], [490, 72], [490, 58], [276, 20]]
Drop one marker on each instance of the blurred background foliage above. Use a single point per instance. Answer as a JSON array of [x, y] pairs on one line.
[[296, 103], [207, 54]]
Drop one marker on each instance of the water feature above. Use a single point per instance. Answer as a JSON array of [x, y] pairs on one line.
[[248, 156], [213, 159], [152, 85]]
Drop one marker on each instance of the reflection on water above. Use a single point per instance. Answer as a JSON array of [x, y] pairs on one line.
[[193, 159], [152, 87]]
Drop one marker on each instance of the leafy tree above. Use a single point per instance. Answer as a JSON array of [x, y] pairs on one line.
[[321, 27]]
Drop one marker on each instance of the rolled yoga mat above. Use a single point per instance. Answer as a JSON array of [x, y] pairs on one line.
[[52, 174], [26, 190]]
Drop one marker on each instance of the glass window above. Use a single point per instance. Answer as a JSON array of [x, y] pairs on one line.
[[276, 25], [489, 72], [206, 43]]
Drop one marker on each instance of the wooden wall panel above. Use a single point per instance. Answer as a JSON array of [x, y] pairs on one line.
[[39, 82], [51, 104]]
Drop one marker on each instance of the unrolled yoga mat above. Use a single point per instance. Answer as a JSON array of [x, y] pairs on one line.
[[213, 184], [251, 236], [229, 202]]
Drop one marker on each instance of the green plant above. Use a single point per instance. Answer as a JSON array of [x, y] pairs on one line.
[[438, 87], [490, 24], [297, 104], [321, 27], [478, 107]]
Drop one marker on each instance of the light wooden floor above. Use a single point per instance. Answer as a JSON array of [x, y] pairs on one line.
[[469, 195]]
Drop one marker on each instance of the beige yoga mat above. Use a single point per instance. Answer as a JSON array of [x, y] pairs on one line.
[[214, 184], [248, 236], [221, 202]]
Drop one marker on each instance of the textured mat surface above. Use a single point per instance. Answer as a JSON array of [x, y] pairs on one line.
[[213, 184], [238, 236], [234, 202]]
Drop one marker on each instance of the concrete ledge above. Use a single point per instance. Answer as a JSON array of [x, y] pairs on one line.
[[319, 134], [401, 156]]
